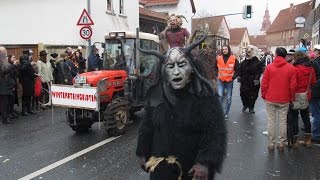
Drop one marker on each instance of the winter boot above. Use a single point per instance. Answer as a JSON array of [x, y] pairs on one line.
[[24, 108], [29, 107], [307, 140], [244, 109], [251, 110], [295, 143]]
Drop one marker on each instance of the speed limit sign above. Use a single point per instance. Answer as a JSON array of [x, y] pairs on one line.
[[86, 32]]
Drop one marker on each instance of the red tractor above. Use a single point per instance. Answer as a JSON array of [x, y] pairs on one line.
[[121, 86]]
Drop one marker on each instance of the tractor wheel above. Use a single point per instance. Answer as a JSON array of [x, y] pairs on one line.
[[116, 117], [81, 128]]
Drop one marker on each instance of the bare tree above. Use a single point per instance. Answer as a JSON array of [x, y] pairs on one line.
[[203, 13]]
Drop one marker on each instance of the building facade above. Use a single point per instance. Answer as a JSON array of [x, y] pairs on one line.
[[239, 40], [283, 31], [216, 28], [316, 22], [52, 25]]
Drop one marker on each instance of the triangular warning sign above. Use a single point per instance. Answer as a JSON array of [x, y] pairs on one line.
[[85, 19]]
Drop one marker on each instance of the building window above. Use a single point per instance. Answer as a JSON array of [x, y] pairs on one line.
[[292, 34], [289, 34], [121, 9], [109, 6]]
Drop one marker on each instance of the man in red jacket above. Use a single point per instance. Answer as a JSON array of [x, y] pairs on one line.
[[277, 89]]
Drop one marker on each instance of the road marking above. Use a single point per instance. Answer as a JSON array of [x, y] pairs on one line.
[[69, 158]]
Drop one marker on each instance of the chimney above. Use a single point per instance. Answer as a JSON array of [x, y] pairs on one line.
[[291, 5]]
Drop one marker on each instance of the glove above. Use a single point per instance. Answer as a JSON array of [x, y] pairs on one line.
[[256, 82], [199, 172], [142, 162]]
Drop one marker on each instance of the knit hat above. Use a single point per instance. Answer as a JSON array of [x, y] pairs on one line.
[[291, 52], [54, 55], [302, 49]]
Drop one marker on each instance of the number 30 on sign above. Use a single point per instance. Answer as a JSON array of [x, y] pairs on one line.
[[86, 32]]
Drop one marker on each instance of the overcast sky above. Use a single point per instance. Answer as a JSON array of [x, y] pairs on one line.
[[220, 7]]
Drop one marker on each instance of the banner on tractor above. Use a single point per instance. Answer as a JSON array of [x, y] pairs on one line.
[[75, 97]]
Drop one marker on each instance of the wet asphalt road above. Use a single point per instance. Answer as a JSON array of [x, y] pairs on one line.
[[40, 141]]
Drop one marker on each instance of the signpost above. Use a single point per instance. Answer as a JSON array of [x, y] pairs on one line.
[[85, 21], [86, 32]]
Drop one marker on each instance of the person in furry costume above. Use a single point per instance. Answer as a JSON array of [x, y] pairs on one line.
[[182, 135], [250, 72], [174, 35]]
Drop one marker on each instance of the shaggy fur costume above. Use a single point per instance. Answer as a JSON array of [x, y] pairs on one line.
[[193, 131], [186, 124]]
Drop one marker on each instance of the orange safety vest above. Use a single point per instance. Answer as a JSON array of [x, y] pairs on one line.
[[226, 70]]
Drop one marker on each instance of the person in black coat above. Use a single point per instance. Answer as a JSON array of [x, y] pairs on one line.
[[63, 71], [6, 85], [249, 77], [27, 79], [13, 77], [182, 133]]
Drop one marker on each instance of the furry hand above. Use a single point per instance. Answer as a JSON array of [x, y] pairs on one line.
[[256, 82], [238, 79], [142, 162], [199, 172]]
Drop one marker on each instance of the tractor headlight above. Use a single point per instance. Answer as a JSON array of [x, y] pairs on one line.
[[112, 35], [102, 85], [121, 34]]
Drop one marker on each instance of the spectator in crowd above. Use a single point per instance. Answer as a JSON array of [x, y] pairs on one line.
[[289, 56], [249, 74], [79, 61], [64, 75], [29, 53], [277, 89], [305, 78], [13, 77], [72, 65], [6, 85], [303, 43], [69, 51], [45, 72], [94, 61], [315, 97], [53, 60], [268, 58], [311, 54], [226, 67], [27, 80]]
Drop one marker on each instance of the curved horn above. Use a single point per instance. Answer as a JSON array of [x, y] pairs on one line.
[[194, 44], [153, 52]]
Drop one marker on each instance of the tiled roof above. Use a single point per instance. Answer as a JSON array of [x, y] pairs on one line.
[[213, 23], [153, 14], [285, 19], [236, 35], [159, 2], [258, 40]]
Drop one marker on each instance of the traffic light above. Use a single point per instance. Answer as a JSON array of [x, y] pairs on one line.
[[247, 14]]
